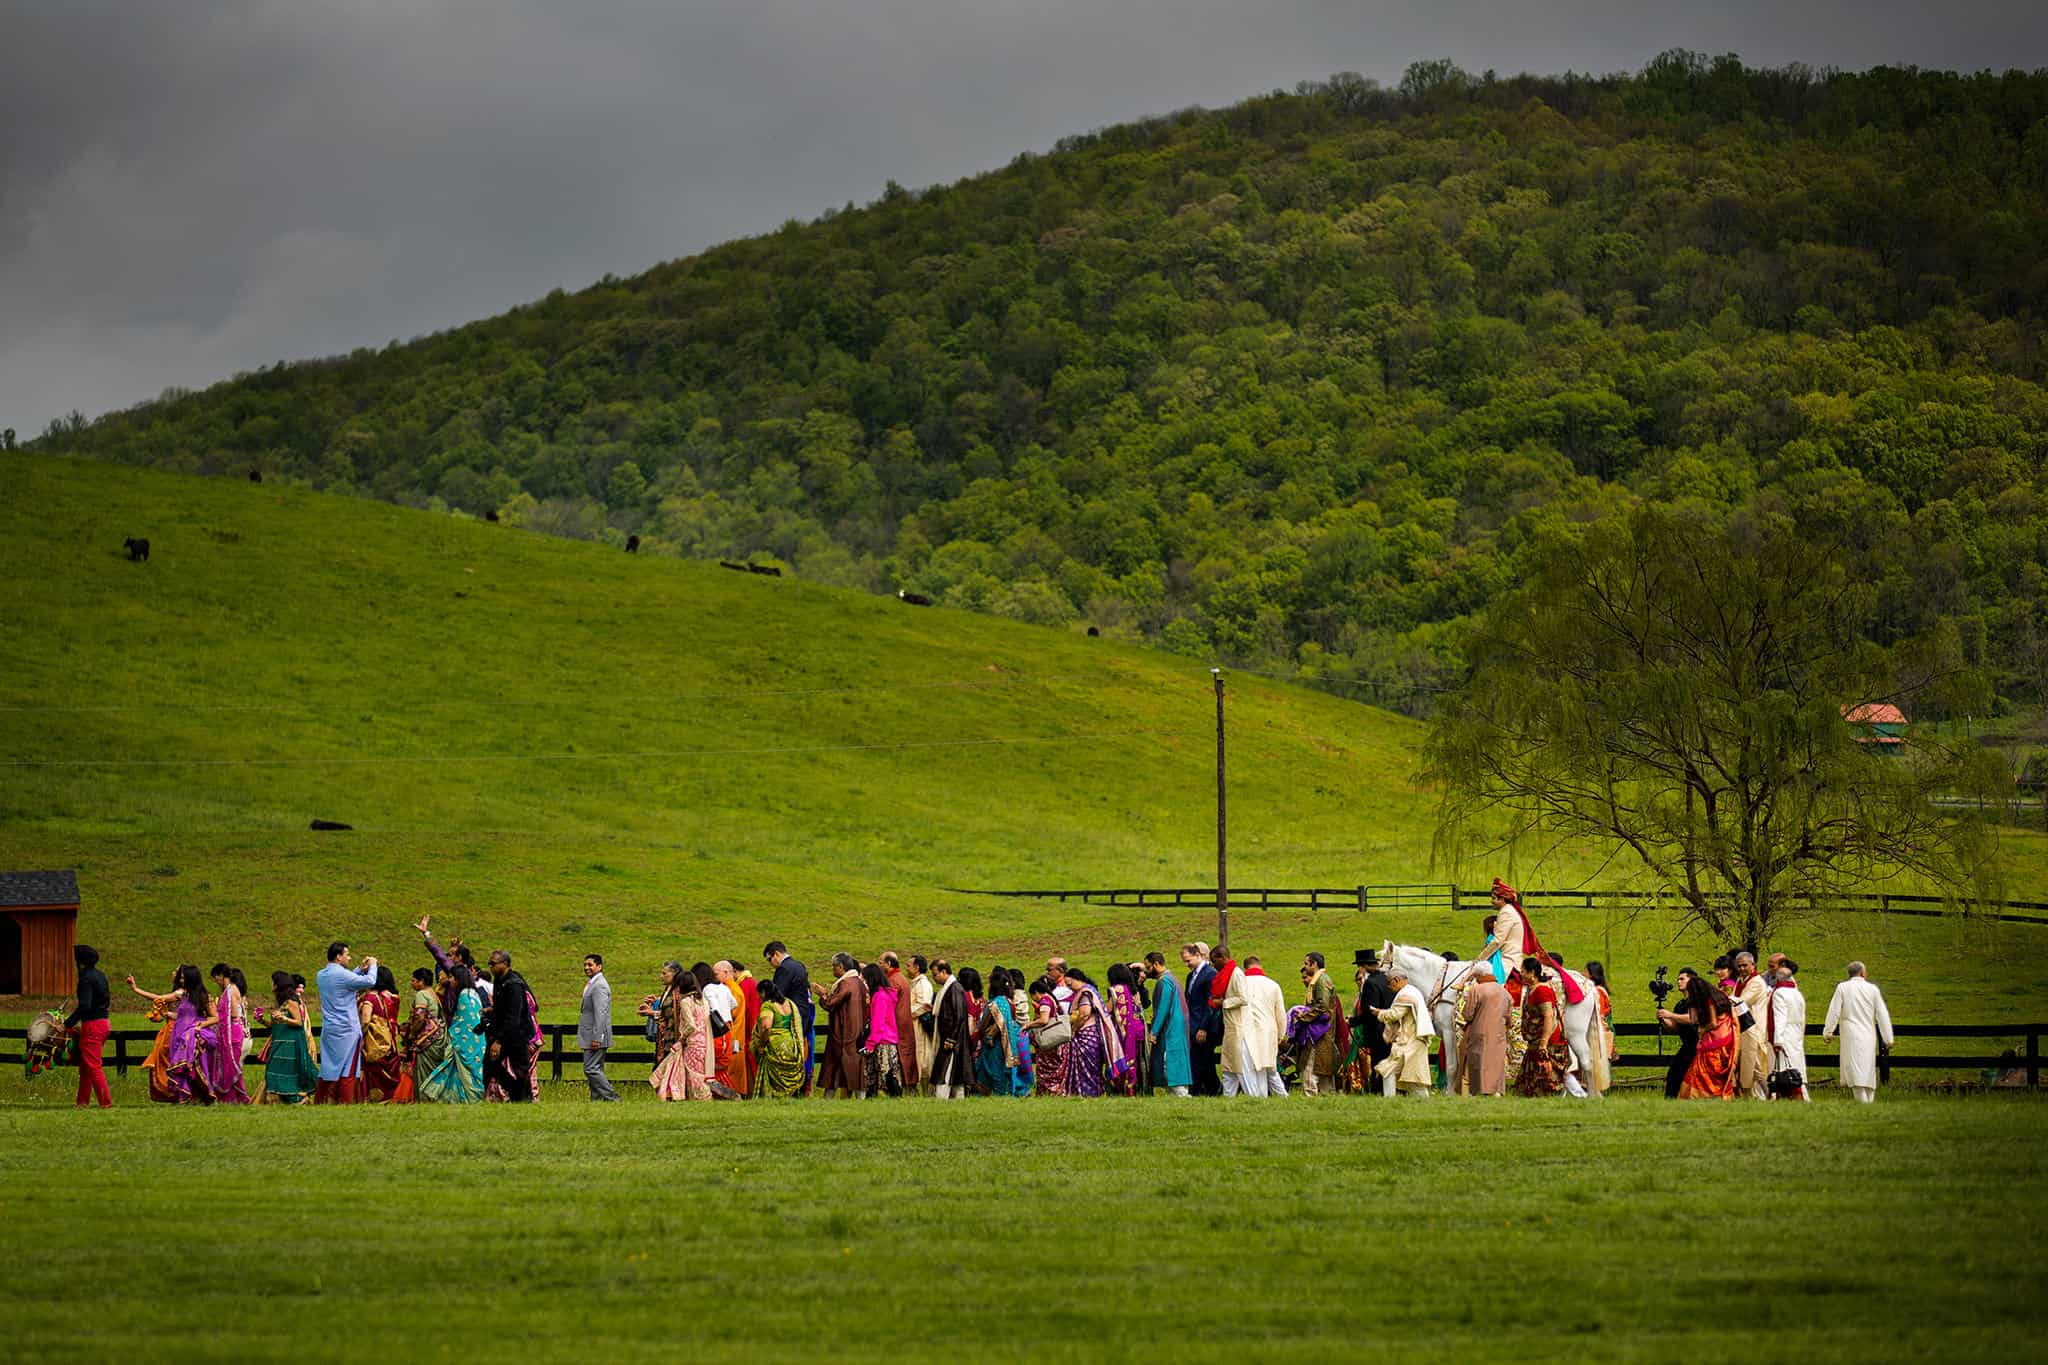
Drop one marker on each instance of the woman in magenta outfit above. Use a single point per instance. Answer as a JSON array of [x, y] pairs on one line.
[[189, 1061]]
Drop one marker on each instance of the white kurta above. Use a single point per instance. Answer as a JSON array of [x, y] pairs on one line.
[[1858, 1012], [1255, 1015], [1787, 1025]]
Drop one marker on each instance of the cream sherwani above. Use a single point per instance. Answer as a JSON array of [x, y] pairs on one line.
[[1858, 1012], [1508, 940], [926, 1044], [1255, 1016], [1788, 1029], [1752, 1051], [1406, 1067]]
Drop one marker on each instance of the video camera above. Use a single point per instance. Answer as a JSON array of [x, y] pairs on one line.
[[1660, 988]]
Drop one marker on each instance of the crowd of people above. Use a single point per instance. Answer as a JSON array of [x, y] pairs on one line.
[[897, 1026]]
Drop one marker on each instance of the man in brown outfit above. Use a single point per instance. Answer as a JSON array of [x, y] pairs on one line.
[[847, 1005], [1483, 1036]]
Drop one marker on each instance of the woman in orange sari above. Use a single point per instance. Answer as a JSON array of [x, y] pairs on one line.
[[1712, 1073]]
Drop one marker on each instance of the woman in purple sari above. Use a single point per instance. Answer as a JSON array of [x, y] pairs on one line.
[[229, 1032], [1087, 1059], [189, 1063], [1127, 1017]]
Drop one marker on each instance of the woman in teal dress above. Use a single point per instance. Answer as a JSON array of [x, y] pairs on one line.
[[459, 1079], [291, 1068], [1001, 1068]]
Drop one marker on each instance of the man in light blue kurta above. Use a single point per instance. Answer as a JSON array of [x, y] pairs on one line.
[[341, 1030], [1172, 1069]]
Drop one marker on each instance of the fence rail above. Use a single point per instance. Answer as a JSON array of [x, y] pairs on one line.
[[561, 1048], [1443, 896]]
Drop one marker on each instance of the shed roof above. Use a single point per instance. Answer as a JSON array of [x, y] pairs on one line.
[[38, 888], [1874, 713]]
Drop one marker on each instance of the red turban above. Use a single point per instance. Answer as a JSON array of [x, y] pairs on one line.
[[1506, 892]]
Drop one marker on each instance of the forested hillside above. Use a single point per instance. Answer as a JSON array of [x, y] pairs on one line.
[[1287, 383]]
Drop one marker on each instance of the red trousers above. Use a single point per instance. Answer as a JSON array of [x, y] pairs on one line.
[[92, 1076]]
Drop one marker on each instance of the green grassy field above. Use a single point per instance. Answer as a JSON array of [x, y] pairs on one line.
[[1341, 1230], [555, 747]]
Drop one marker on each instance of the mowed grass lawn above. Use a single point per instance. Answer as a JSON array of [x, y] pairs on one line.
[[1205, 1230]]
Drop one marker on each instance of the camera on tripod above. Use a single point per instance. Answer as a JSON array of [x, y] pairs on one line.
[[1660, 988]]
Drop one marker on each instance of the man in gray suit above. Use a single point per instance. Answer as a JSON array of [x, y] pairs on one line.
[[594, 1027]]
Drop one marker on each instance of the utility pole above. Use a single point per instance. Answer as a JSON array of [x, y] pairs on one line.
[[1222, 861]]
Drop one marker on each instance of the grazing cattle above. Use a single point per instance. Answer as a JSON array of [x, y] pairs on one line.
[[769, 569], [1093, 632], [728, 564], [330, 824], [915, 599], [255, 476], [138, 550], [632, 545], [491, 515]]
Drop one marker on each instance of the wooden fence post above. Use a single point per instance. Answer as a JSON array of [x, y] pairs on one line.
[[1361, 900], [120, 1054], [557, 1030], [2033, 1056]]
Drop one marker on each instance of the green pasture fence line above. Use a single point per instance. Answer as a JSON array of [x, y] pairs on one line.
[[562, 1048], [1442, 896]]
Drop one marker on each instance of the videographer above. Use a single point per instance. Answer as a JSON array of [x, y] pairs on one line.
[[1688, 1034]]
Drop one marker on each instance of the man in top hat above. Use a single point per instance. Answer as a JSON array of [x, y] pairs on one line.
[[1368, 1036]]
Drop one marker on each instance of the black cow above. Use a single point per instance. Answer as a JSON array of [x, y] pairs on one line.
[[138, 550], [915, 599], [491, 515], [255, 476], [1093, 632], [632, 545], [330, 824], [768, 569]]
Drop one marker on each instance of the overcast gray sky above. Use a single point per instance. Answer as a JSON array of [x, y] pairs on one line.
[[193, 188]]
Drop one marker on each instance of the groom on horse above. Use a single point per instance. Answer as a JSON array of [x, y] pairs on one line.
[[1513, 939]]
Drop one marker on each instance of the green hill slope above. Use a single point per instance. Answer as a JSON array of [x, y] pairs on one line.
[[558, 747], [1287, 382]]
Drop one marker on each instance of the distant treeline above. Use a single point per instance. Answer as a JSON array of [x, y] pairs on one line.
[[1287, 383]]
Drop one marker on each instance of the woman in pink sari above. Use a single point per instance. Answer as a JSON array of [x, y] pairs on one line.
[[229, 1031], [1127, 1018], [682, 1038]]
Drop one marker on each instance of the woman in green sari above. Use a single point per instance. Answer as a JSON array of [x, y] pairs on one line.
[[459, 1078], [291, 1068], [426, 1041], [778, 1046]]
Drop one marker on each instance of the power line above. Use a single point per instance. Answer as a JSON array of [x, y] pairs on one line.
[[342, 760], [586, 700]]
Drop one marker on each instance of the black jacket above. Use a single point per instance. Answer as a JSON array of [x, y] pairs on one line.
[[1375, 994], [93, 998], [510, 1023], [1201, 1015], [795, 984]]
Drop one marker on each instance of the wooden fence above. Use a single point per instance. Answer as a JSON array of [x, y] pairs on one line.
[[128, 1047], [1443, 896]]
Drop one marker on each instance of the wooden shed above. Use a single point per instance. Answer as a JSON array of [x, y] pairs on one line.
[[38, 926]]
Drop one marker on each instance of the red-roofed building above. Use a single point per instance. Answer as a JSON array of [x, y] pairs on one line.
[[1878, 723]]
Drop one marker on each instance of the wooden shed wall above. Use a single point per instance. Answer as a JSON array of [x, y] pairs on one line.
[[47, 937]]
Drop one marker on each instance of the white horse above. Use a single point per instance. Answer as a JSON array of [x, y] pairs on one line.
[[1442, 982]]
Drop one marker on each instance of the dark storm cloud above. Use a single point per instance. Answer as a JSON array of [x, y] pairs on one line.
[[190, 189]]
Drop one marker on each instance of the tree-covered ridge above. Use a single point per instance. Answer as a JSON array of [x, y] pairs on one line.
[[1289, 382]]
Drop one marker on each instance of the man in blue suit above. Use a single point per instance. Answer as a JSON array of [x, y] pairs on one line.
[[1205, 1023]]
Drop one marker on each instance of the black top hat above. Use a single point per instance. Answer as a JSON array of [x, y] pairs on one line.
[[1365, 957]]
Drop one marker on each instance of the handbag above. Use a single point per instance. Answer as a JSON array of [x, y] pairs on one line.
[[1785, 1084], [1057, 1034]]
